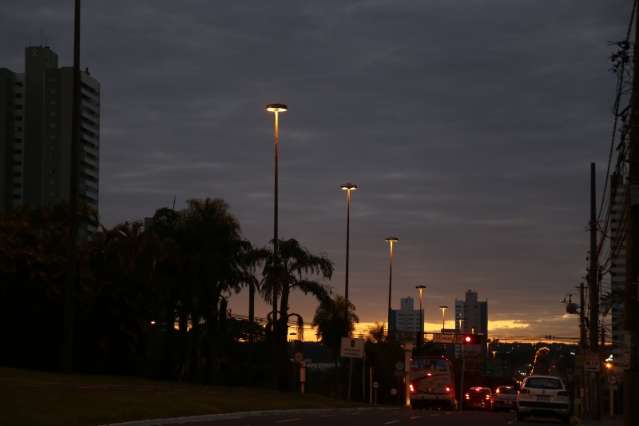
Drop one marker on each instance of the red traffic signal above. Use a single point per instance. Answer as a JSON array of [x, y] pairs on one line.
[[470, 339]]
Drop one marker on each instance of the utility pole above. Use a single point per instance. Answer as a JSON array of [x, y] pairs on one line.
[[593, 287], [593, 274], [631, 311], [582, 316]]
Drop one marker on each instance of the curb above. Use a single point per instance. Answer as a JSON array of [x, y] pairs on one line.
[[239, 415]]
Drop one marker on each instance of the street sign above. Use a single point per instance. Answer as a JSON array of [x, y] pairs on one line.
[[444, 338], [591, 362], [352, 348]]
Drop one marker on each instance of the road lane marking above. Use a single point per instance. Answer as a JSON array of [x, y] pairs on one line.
[[296, 419], [391, 422], [415, 417]]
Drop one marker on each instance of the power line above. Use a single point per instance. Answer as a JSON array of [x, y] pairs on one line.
[[621, 59]]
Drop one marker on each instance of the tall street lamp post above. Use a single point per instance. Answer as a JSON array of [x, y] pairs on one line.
[[276, 109], [391, 243], [420, 332], [348, 188], [443, 309]]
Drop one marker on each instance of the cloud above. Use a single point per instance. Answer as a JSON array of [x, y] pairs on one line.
[[468, 125]]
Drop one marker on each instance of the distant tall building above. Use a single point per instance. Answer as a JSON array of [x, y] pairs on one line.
[[620, 340], [471, 315], [406, 321], [35, 135]]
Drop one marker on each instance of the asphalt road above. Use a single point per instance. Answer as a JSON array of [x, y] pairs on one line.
[[390, 417]]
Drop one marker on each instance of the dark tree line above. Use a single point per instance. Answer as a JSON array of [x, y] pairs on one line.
[[151, 299]]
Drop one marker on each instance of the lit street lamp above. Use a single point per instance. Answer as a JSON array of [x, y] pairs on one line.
[[443, 309], [348, 188], [276, 109], [391, 242], [420, 332]]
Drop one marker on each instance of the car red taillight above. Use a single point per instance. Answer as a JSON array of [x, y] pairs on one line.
[[487, 396], [467, 396], [411, 387], [447, 388]]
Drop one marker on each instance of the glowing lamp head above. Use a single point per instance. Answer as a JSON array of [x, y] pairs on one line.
[[608, 365], [447, 389], [411, 387], [349, 187], [468, 339], [276, 108]]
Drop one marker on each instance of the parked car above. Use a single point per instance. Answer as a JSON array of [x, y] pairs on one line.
[[543, 396], [478, 398], [504, 398]]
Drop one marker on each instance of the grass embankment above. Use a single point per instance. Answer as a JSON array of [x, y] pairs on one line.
[[36, 398]]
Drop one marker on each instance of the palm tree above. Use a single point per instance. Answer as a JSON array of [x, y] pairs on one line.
[[376, 333], [330, 323], [218, 261], [292, 269]]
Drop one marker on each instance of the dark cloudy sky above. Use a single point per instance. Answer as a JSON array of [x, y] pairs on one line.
[[468, 124]]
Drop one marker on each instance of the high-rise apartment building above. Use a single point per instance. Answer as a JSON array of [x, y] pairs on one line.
[[471, 315], [406, 321], [35, 135]]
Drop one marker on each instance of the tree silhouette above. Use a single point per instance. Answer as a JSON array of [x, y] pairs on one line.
[[331, 324], [292, 269]]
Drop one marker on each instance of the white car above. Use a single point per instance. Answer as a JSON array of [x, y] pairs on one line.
[[543, 396], [504, 398]]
